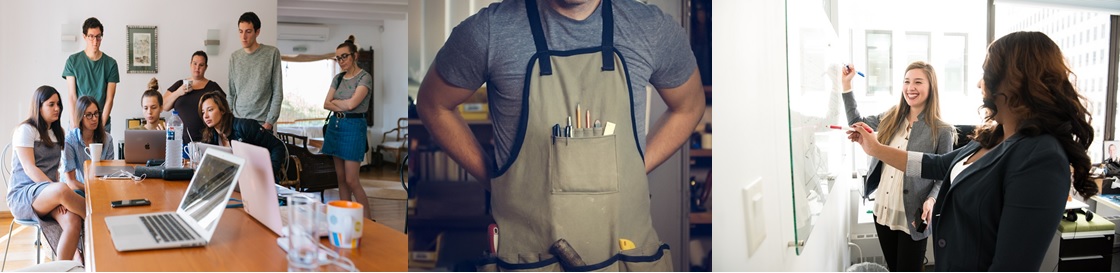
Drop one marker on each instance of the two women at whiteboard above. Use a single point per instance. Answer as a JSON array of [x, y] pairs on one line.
[[903, 202], [1008, 187]]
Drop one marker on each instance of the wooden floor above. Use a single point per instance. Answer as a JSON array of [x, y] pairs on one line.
[[22, 252]]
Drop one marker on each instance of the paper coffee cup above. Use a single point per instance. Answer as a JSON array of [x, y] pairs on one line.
[[94, 152], [344, 222]]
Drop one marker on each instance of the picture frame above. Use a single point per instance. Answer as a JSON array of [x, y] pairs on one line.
[[1105, 155], [142, 49]]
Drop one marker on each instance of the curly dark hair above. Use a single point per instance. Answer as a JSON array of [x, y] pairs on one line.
[[1029, 71]]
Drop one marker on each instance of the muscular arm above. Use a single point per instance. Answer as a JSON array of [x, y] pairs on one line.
[[110, 93], [686, 106], [436, 102]]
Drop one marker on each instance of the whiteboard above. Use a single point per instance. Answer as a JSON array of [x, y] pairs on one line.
[[814, 63]]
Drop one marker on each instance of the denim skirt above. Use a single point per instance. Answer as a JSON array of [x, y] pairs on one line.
[[345, 138]]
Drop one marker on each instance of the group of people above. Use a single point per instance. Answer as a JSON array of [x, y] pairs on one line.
[[995, 203], [248, 112]]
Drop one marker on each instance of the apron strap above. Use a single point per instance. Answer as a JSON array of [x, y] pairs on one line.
[[538, 37], [541, 43], [608, 35]]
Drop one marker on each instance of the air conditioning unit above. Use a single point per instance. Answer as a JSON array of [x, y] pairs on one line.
[[302, 32]]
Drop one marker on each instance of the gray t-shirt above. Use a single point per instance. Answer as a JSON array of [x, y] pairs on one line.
[[347, 88], [256, 84], [494, 46]]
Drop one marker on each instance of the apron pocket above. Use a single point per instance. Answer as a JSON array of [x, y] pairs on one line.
[[583, 165]]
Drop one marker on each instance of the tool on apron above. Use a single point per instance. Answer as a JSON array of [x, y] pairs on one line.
[[570, 187]]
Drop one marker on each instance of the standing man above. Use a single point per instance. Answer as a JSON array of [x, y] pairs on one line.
[[256, 87], [91, 73], [567, 82]]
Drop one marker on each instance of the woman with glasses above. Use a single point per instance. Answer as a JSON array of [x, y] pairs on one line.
[[185, 95], [89, 131], [33, 192], [345, 136], [152, 104]]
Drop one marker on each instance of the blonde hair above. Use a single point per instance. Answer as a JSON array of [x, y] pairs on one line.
[[892, 122]]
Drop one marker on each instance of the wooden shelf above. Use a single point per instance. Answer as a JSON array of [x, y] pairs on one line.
[[700, 218], [700, 153]]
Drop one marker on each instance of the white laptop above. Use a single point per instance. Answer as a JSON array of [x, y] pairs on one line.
[[143, 145], [194, 221], [258, 189]]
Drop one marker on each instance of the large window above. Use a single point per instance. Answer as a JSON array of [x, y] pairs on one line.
[[917, 47], [305, 87], [1075, 32], [879, 62], [953, 73]]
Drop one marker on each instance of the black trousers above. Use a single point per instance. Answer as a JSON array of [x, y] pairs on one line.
[[902, 253]]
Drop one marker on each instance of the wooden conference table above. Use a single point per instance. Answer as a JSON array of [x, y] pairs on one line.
[[239, 244]]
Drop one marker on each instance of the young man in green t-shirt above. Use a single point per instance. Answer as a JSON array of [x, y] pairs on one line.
[[91, 72]]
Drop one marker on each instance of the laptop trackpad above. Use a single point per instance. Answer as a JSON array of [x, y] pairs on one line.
[[128, 230]]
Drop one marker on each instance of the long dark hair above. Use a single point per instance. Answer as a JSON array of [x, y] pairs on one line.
[[84, 103], [42, 94], [225, 123], [1029, 71]]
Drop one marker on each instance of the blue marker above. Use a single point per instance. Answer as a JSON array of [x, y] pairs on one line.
[[857, 72]]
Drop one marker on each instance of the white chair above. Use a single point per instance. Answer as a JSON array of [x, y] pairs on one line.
[[5, 170]]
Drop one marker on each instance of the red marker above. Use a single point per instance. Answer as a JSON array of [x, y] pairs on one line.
[[838, 127]]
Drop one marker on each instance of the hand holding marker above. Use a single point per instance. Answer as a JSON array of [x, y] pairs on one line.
[[838, 127], [857, 73]]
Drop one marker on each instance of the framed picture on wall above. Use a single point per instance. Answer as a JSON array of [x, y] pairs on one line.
[[142, 57], [1111, 151]]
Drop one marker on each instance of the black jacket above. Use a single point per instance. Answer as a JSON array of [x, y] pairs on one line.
[[250, 131], [1002, 211]]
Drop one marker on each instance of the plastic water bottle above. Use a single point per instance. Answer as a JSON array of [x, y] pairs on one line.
[[173, 158]]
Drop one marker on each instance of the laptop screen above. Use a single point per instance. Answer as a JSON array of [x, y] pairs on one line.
[[206, 196]]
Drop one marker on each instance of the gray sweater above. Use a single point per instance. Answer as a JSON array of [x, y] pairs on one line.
[[256, 86]]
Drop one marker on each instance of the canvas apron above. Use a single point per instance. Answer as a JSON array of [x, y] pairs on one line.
[[589, 189]]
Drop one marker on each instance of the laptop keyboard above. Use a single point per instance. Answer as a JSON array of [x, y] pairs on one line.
[[165, 228]]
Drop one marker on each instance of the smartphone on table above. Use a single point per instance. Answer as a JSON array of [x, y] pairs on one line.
[[131, 203]]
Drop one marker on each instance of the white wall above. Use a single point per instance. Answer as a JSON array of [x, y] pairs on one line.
[[32, 54], [390, 45], [759, 148]]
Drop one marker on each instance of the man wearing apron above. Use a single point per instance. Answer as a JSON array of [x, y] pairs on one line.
[[566, 81]]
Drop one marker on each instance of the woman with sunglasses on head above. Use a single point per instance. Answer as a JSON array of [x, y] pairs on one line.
[[345, 136], [184, 96], [1008, 187], [914, 124], [222, 127], [89, 131], [34, 192]]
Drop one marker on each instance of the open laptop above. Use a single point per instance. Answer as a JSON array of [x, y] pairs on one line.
[[202, 147], [143, 145], [193, 223], [258, 191]]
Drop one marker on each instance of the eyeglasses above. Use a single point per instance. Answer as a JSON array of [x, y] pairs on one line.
[[91, 115], [343, 56], [98, 37]]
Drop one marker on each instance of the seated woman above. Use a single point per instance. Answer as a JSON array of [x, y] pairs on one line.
[[222, 127], [152, 103], [33, 192], [89, 131]]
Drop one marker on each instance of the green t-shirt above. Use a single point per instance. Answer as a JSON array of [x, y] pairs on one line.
[[92, 77]]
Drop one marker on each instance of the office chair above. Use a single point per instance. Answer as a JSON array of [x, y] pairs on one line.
[[5, 170]]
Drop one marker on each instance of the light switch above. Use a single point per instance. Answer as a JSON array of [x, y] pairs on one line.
[[755, 215]]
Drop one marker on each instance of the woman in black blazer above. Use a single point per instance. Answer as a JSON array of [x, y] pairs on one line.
[[222, 127], [1007, 187]]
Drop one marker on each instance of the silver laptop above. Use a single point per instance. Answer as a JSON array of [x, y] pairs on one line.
[[202, 147], [258, 189], [143, 145], [194, 221]]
